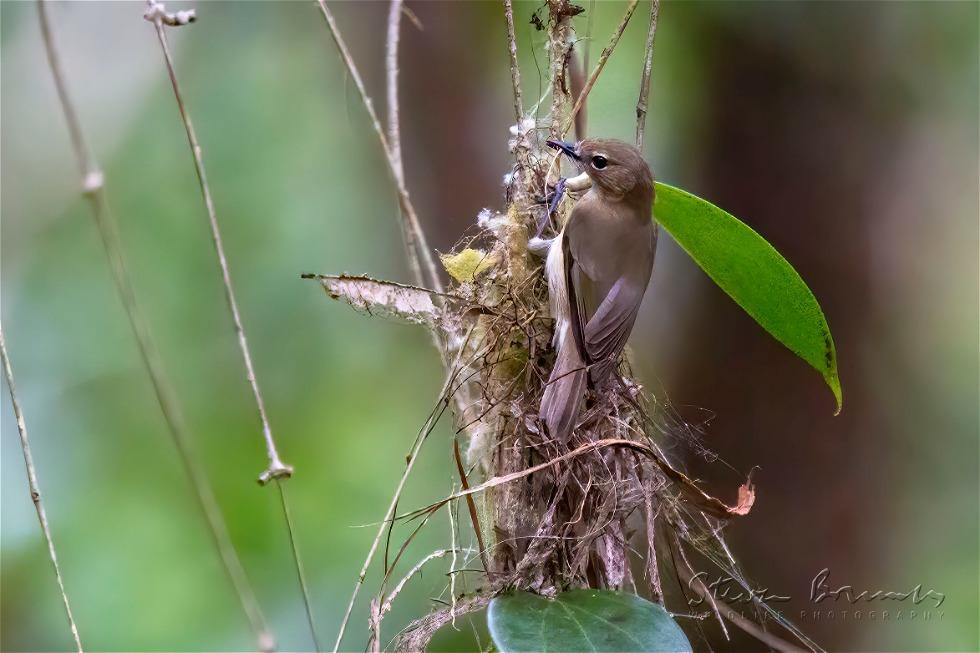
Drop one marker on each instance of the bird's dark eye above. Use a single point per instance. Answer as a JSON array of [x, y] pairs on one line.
[[599, 162]]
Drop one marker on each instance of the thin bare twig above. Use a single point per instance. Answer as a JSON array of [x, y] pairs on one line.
[[416, 636], [414, 570], [729, 613], [307, 604], [35, 490], [641, 103], [452, 373], [93, 187], [391, 79], [600, 63], [587, 48], [394, 131], [276, 468], [410, 464], [417, 244], [687, 571], [559, 45], [515, 69], [470, 506], [453, 527]]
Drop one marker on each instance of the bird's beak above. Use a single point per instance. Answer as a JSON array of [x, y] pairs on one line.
[[564, 146]]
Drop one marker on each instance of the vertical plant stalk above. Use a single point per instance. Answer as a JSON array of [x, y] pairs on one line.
[[301, 576], [415, 247], [390, 513], [587, 47], [409, 239], [521, 146], [277, 468], [644, 99], [93, 188], [724, 611], [35, 490], [515, 70], [419, 247], [559, 47], [600, 64], [394, 140], [391, 85]]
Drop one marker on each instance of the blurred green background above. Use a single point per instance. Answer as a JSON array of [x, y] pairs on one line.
[[845, 133]]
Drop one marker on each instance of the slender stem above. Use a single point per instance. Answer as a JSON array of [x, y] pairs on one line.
[[307, 604], [559, 45], [392, 507], [391, 79], [83, 156], [642, 102], [394, 131], [35, 490], [732, 615], [452, 372], [600, 64], [276, 468], [93, 186], [453, 527], [515, 69], [587, 47], [419, 246], [414, 570]]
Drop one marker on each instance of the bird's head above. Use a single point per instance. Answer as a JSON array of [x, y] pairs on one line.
[[616, 167]]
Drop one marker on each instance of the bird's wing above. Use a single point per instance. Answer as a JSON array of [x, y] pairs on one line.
[[609, 327], [606, 277], [576, 282]]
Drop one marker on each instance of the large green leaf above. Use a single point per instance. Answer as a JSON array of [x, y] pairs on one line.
[[582, 620], [754, 274]]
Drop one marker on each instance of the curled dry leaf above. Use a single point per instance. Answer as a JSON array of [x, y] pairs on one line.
[[704, 501], [363, 293]]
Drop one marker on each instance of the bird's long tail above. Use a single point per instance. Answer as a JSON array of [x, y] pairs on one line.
[[565, 392]]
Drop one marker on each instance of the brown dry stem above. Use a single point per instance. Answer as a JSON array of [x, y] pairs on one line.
[[93, 187], [416, 244], [644, 99], [35, 491], [600, 64], [277, 468]]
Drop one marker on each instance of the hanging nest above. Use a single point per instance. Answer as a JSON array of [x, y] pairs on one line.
[[548, 515]]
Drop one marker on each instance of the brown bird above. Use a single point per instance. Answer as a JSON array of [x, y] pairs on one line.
[[598, 269]]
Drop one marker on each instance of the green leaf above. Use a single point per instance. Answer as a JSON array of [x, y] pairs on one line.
[[754, 274], [582, 620]]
